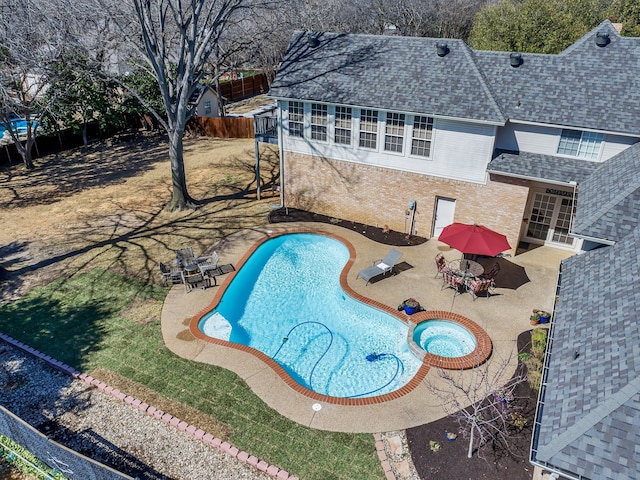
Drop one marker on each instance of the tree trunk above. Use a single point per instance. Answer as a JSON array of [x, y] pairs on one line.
[[25, 150], [85, 139], [180, 198], [470, 450]]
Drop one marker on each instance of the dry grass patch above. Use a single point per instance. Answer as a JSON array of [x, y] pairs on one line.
[[143, 311]]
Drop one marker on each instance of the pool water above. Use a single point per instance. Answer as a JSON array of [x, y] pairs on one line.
[[287, 302], [444, 338]]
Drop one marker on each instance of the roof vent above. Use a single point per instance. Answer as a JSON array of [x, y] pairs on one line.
[[515, 59], [442, 48], [313, 40], [602, 38]]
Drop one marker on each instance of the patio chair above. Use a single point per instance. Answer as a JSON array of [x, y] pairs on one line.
[[195, 280], [491, 275], [380, 267], [451, 280], [208, 265], [185, 256], [441, 264], [170, 273], [477, 285]]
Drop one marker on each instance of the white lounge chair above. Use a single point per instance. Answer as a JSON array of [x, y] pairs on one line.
[[380, 267]]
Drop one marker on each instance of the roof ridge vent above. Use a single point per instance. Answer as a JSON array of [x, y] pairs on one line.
[[442, 48], [313, 40], [515, 59], [602, 38]]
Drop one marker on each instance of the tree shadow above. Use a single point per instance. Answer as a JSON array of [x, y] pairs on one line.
[[102, 164], [40, 321]]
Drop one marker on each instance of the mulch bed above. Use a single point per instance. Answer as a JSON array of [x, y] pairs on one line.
[[499, 463], [387, 237]]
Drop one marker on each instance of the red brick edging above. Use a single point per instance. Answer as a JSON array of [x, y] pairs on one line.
[[150, 410], [475, 358], [195, 330]]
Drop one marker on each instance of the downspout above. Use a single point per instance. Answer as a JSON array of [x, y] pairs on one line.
[[281, 153]]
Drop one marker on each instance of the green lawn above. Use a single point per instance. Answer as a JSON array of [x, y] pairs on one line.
[[80, 321]]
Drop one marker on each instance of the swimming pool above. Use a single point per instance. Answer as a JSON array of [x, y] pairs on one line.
[[287, 302]]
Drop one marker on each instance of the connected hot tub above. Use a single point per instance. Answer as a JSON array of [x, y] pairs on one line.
[[448, 340]]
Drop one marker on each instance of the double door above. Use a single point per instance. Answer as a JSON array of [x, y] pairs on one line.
[[550, 219]]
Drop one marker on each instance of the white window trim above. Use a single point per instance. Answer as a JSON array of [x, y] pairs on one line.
[[582, 132], [325, 124], [404, 151], [410, 138], [378, 131], [304, 121], [333, 117]]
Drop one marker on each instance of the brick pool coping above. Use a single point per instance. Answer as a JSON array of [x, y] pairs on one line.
[[152, 411], [475, 358]]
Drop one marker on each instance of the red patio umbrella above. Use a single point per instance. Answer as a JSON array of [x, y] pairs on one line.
[[474, 239]]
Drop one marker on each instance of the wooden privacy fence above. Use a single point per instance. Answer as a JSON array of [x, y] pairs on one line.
[[244, 87], [225, 127]]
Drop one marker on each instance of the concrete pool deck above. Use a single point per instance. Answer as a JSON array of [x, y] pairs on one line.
[[503, 316]]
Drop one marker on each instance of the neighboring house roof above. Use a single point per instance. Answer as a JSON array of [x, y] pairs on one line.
[[589, 409], [386, 72], [609, 200], [543, 167], [585, 86]]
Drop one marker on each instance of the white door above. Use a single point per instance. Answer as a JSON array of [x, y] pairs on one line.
[[550, 219], [445, 207]]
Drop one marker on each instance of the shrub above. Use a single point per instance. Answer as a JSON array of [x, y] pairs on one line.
[[434, 446], [538, 342], [524, 356], [534, 378], [518, 420]]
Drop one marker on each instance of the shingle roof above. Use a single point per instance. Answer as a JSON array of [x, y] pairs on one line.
[[386, 72], [609, 200], [548, 167], [586, 86], [589, 422]]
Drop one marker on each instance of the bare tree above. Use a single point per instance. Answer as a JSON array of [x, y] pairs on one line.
[[173, 40], [32, 38], [481, 401]]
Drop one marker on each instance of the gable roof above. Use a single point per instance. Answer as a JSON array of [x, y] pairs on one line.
[[609, 200], [585, 86], [387, 72], [589, 407]]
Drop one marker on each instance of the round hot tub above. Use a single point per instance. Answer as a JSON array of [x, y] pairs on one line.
[[444, 338], [448, 340]]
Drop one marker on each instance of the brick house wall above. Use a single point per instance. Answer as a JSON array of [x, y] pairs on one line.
[[379, 196]]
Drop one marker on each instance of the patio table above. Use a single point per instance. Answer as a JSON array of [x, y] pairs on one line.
[[466, 268]]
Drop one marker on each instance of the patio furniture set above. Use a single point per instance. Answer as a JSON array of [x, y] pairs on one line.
[[466, 276], [193, 271]]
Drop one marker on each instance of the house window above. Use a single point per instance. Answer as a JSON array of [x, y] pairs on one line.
[[421, 141], [296, 119], [318, 121], [580, 144], [342, 132], [207, 106], [394, 132], [369, 128]]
